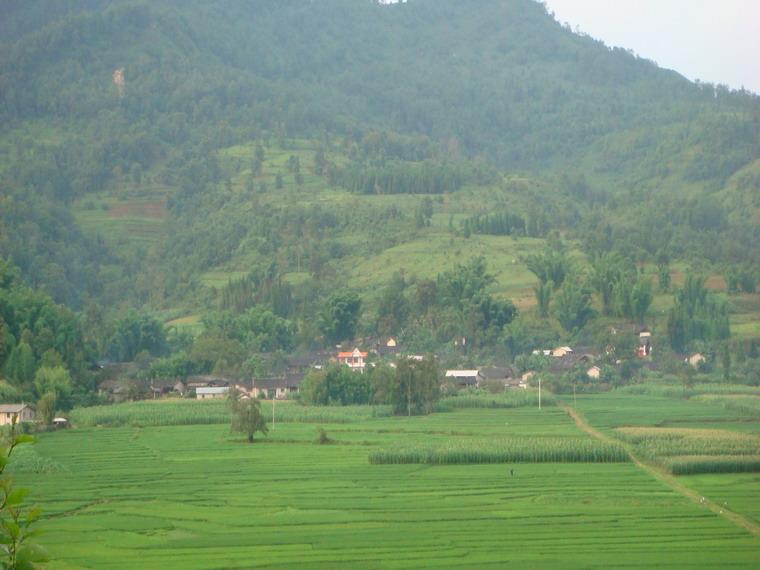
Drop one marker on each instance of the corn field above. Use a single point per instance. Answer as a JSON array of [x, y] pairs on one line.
[[744, 404], [657, 442], [193, 412], [702, 389], [696, 464], [516, 450], [685, 451], [509, 399]]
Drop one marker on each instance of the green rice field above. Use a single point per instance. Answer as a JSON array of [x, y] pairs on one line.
[[152, 494]]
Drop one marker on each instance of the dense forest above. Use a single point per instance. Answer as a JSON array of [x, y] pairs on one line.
[[284, 144]]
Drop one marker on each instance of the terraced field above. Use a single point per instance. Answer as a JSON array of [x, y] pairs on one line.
[[709, 440], [198, 497]]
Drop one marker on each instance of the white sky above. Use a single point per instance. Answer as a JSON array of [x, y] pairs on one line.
[[716, 41]]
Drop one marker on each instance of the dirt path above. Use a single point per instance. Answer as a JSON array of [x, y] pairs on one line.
[[666, 478]]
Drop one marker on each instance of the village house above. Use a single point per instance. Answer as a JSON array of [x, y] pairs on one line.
[[387, 347], [504, 377], [561, 351], [22, 413], [206, 381], [355, 360], [696, 360], [463, 378], [212, 392], [644, 348], [280, 388], [594, 372], [164, 386], [580, 357], [302, 363]]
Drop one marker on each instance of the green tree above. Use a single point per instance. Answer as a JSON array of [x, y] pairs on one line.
[[393, 309], [416, 386], [56, 381], [663, 276], [572, 306], [134, 333], [46, 407], [641, 299], [17, 552], [340, 315], [336, 385], [608, 270], [21, 365], [552, 265], [247, 418], [543, 292], [212, 347], [697, 315], [725, 360]]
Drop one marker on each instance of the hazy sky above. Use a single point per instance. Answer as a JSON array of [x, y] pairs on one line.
[[710, 40]]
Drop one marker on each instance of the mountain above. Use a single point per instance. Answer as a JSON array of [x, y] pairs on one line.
[[129, 133]]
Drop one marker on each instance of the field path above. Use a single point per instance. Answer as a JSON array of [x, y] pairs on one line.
[[665, 477]]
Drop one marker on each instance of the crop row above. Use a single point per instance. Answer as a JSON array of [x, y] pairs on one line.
[[656, 442], [510, 399], [192, 412], [677, 390], [696, 464], [516, 450], [746, 404]]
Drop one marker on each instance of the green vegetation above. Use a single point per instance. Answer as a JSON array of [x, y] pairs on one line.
[[178, 496], [693, 464], [191, 412], [508, 399], [18, 552], [523, 450], [134, 188], [247, 418], [221, 187]]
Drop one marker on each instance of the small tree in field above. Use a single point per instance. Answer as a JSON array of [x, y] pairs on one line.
[[247, 418]]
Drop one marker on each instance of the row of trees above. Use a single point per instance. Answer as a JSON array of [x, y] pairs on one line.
[[412, 387], [697, 314], [403, 178]]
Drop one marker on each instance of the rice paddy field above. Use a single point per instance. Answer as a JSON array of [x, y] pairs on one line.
[[710, 441], [125, 492]]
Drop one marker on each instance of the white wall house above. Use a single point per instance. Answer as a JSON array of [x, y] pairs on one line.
[[211, 393], [22, 412], [356, 359]]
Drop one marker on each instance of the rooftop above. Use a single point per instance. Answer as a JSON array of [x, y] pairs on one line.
[[12, 408]]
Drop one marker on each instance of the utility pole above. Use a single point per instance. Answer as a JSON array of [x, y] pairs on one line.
[[539, 392], [273, 399]]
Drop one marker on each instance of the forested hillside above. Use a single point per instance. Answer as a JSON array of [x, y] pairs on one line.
[[196, 159]]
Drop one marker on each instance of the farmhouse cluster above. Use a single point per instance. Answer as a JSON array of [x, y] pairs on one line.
[[580, 362]]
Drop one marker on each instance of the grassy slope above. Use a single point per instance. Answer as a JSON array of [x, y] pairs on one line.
[[177, 497], [134, 215]]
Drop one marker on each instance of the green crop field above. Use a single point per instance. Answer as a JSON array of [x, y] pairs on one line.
[[711, 441], [149, 494]]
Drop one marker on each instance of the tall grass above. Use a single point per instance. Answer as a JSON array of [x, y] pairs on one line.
[[193, 412], [509, 399], [516, 450]]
